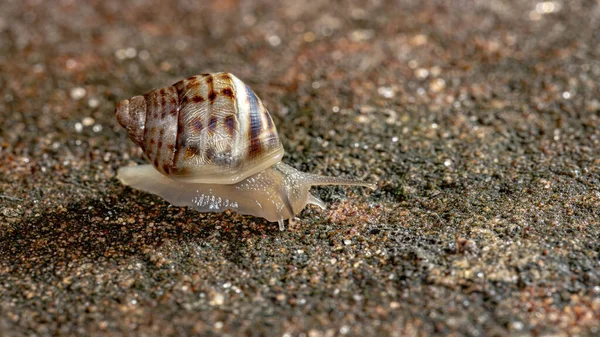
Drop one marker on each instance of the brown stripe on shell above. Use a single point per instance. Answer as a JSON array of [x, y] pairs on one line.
[[169, 134], [174, 107], [255, 127], [229, 124], [148, 134], [179, 141], [197, 124], [157, 152], [161, 135], [185, 86], [209, 154], [212, 125], [159, 140], [163, 104], [149, 104], [180, 86], [211, 89], [191, 151], [228, 92], [198, 99], [255, 148], [162, 93], [193, 83], [190, 121], [212, 95], [225, 77]]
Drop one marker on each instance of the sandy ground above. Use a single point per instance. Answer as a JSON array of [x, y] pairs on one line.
[[478, 120]]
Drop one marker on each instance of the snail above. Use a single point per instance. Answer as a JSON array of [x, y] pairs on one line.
[[213, 146]]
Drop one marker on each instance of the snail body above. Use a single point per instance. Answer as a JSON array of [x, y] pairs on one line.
[[213, 146]]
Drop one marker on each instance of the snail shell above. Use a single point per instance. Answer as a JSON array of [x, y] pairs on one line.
[[210, 128], [213, 146]]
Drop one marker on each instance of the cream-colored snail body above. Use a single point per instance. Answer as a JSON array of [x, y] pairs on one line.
[[213, 146]]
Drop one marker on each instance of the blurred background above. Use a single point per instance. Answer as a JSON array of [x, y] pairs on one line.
[[479, 121]]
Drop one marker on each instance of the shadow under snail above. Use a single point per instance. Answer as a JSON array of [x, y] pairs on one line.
[[213, 146]]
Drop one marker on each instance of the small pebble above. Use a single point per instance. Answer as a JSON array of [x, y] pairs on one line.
[[386, 92], [88, 121], [77, 93], [437, 85]]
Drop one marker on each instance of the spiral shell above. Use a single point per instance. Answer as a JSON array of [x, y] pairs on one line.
[[209, 128]]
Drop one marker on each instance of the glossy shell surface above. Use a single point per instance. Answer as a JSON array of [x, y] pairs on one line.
[[210, 128]]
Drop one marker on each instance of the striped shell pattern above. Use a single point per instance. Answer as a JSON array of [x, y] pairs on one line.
[[209, 128]]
